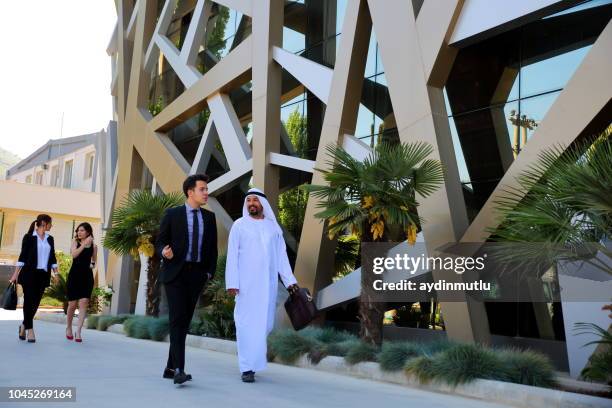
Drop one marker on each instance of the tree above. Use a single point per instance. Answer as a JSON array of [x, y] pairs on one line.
[[134, 229], [292, 203], [564, 203], [376, 200]]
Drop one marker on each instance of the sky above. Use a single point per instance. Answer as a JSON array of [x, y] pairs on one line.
[[54, 62]]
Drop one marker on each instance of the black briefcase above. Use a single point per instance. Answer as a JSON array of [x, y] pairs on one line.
[[301, 308], [9, 299]]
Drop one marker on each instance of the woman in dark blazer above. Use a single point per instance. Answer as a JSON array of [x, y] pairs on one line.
[[33, 271]]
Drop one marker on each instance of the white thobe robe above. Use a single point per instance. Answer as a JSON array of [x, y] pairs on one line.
[[256, 256]]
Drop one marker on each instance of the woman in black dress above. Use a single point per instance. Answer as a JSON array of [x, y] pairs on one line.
[[33, 271], [80, 278]]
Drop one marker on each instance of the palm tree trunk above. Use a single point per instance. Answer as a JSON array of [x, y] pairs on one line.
[[153, 290], [371, 313]]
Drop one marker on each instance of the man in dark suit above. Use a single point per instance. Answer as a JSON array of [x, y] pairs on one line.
[[187, 244]]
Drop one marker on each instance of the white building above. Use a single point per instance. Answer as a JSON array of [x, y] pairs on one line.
[[65, 178], [66, 163]]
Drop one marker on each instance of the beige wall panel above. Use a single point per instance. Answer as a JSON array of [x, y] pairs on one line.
[[315, 259], [230, 72], [407, 80]]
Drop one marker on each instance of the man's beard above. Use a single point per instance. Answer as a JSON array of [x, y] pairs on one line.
[[253, 210]]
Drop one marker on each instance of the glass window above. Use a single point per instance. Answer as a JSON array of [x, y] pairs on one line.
[[371, 61], [39, 177], [68, 174], [500, 90], [365, 123], [533, 110], [89, 165], [550, 74], [29, 179], [293, 41], [484, 74], [54, 176], [340, 12]]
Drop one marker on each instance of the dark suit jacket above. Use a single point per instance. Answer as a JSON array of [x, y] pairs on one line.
[[29, 256], [173, 231]]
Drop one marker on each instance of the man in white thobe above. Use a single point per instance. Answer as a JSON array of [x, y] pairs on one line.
[[256, 256]]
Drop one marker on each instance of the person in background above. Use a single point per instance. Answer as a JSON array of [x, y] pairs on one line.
[[33, 271], [80, 281]]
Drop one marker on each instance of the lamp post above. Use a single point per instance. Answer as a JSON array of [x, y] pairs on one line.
[[523, 123]]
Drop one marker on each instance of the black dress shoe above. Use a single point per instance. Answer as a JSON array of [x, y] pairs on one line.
[[181, 377], [248, 377], [168, 373]]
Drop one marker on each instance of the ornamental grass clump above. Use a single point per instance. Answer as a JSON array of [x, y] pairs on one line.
[[105, 321], [394, 354], [289, 345], [342, 348], [92, 321], [158, 327], [527, 367], [458, 365], [327, 335], [360, 352], [137, 327]]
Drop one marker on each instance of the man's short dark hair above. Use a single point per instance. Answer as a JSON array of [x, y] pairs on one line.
[[191, 181]]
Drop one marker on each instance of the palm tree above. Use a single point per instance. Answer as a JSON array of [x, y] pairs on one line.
[[564, 203], [134, 229], [376, 200]]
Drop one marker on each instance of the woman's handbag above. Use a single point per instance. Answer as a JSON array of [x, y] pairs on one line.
[[301, 308], [9, 299]]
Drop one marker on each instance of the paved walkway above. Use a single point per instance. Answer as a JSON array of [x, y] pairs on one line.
[[110, 370]]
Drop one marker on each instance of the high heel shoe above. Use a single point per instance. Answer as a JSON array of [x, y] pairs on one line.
[[32, 340], [69, 337], [78, 339], [21, 336]]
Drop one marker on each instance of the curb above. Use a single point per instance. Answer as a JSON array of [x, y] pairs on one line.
[[517, 395]]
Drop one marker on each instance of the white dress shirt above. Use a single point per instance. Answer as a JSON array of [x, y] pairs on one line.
[[43, 251]]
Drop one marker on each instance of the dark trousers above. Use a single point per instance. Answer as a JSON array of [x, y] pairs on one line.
[[183, 293], [32, 294]]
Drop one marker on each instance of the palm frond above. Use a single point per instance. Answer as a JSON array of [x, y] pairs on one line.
[[139, 213]]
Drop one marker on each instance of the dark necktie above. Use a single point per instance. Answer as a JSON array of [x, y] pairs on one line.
[[194, 237]]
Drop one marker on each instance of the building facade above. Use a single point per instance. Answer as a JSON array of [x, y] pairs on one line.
[[253, 92], [70, 163], [65, 178]]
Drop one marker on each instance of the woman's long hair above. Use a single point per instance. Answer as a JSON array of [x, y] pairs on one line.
[[87, 227], [38, 222]]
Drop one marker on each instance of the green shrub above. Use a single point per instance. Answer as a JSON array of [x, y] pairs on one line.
[[104, 322], [217, 321], [422, 368], [137, 327], [158, 328], [327, 335], [527, 367], [92, 321], [289, 345], [342, 348], [361, 351], [432, 347], [393, 355], [599, 367], [49, 301], [457, 365]]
